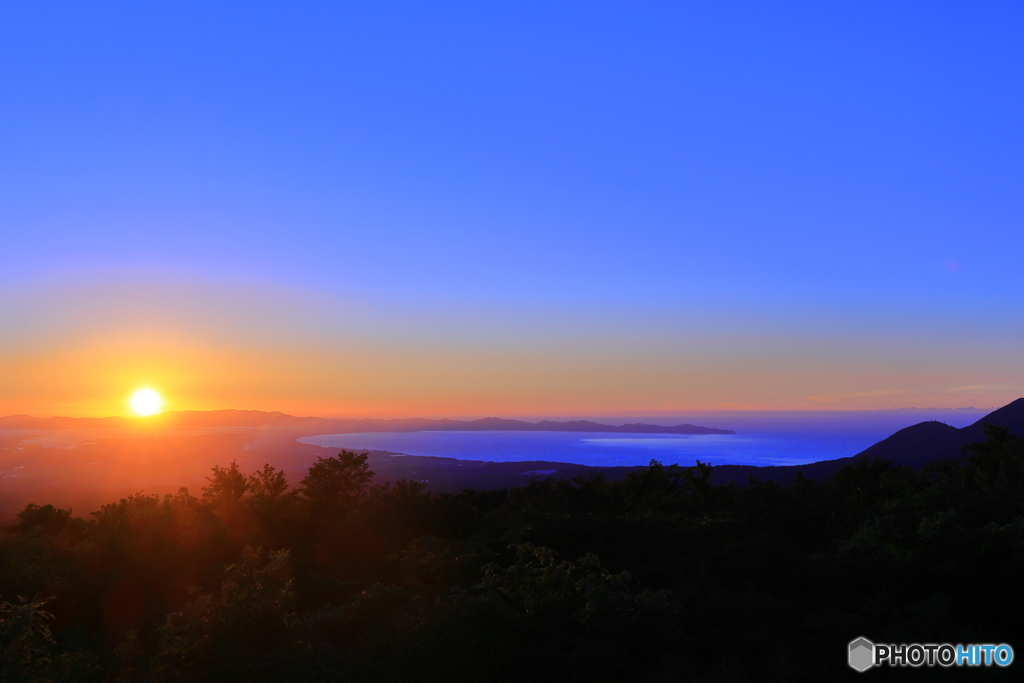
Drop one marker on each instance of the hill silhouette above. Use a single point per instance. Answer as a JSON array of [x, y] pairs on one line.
[[310, 426], [913, 447], [929, 441]]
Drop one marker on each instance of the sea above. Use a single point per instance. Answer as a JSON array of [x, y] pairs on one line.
[[762, 438]]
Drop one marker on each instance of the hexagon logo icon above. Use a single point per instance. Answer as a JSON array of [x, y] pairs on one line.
[[862, 654]]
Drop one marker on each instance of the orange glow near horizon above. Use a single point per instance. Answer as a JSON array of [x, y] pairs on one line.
[[258, 349]]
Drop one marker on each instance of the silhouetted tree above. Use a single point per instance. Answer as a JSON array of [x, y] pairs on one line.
[[997, 462], [46, 517], [28, 652], [226, 487], [231, 632], [337, 483], [267, 486]]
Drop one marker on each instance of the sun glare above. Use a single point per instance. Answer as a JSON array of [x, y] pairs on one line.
[[146, 402]]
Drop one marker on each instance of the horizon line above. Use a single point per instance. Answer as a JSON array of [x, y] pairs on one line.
[[654, 414]]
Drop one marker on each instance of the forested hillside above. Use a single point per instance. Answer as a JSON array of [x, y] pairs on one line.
[[659, 577]]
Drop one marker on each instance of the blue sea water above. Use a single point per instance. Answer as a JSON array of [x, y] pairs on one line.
[[762, 439], [584, 448]]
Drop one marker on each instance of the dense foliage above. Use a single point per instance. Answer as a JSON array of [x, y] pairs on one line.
[[658, 577]]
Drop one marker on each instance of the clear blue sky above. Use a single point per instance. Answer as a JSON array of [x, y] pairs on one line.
[[828, 190]]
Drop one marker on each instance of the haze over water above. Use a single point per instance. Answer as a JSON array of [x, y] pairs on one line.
[[791, 438]]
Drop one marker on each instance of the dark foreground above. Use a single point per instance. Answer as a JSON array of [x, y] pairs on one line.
[[661, 576]]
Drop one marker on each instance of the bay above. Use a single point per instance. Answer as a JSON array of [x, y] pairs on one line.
[[763, 438]]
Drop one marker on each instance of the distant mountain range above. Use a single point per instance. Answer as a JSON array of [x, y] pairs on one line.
[[310, 426], [912, 447]]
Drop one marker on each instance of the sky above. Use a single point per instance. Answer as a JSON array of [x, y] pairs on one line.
[[533, 208]]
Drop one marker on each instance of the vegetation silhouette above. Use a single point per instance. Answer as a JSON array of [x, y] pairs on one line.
[[660, 576]]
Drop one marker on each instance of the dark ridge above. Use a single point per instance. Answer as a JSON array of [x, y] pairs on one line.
[[918, 444], [1010, 416], [913, 447]]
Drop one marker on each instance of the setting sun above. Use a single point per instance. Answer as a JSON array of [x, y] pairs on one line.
[[146, 402]]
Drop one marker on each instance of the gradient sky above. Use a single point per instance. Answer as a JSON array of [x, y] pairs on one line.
[[464, 209]]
